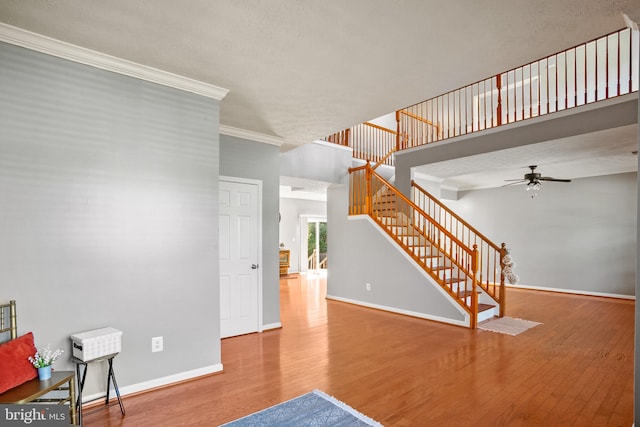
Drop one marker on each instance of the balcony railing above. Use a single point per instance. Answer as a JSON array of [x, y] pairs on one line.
[[370, 142], [593, 71]]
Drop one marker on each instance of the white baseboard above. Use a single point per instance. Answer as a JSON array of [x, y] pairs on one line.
[[158, 382], [464, 323], [270, 326], [418, 268], [573, 291]]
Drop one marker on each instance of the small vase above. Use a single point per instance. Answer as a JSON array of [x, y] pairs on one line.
[[44, 373]]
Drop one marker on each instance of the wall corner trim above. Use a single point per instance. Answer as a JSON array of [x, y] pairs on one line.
[[251, 135], [43, 44]]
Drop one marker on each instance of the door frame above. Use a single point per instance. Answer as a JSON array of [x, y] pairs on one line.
[[258, 183], [303, 247]]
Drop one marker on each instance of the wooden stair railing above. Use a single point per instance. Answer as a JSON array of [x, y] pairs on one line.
[[490, 255], [599, 69], [412, 128], [370, 142], [340, 138], [449, 261]]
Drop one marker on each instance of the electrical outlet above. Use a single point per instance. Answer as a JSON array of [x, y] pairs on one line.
[[368, 285], [156, 344]]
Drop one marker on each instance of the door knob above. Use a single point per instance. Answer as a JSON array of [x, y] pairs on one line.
[[254, 266]]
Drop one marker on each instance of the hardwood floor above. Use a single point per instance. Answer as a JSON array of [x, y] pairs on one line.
[[576, 369]]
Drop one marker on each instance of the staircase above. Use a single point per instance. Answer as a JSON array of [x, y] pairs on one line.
[[461, 260], [457, 264]]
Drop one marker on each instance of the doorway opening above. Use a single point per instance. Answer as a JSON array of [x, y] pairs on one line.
[[317, 245]]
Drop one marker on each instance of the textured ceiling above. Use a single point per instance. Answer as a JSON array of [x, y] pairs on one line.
[[302, 69], [593, 154]]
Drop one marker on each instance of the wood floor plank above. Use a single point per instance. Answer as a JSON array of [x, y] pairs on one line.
[[576, 368]]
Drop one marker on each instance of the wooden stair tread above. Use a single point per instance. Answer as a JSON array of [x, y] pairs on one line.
[[485, 307], [425, 244]]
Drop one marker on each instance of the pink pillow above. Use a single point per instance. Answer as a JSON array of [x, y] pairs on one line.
[[15, 367]]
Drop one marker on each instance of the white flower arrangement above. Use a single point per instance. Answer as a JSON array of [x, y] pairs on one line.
[[507, 270], [44, 358]]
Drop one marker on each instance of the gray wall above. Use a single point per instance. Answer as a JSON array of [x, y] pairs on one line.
[[579, 236], [108, 195], [358, 254], [255, 160], [317, 161], [607, 114], [292, 226]]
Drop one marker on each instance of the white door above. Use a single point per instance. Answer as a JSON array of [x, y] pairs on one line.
[[239, 269]]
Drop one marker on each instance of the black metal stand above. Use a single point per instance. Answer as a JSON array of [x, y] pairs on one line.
[[82, 375]]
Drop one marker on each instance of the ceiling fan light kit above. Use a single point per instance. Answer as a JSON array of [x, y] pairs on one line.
[[533, 180]]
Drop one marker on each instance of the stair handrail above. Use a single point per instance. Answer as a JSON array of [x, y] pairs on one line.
[[384, 159], [413, 205], [490, 287], [455, 215], [403, 137], [468, 268]]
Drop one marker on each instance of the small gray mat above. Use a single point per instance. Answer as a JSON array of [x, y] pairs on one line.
[[507, 325]]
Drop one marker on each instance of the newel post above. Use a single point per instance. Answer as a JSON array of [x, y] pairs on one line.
[[474, 289], [503, 291], [367, 197]]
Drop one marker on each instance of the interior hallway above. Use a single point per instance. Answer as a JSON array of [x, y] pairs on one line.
[[576, 369]]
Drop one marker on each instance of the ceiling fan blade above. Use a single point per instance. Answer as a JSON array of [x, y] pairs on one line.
[[520, 181], [533, 179], [547, 178]]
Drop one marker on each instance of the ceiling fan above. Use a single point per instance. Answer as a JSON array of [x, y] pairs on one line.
[[534, 180]]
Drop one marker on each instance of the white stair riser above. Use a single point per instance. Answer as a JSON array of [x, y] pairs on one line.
[[487, 314], [425, 251], [459, 288]]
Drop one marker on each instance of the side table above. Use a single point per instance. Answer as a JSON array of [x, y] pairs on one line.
[[35, 389], [82, 375]]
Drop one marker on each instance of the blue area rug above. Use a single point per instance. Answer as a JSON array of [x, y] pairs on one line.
[[311, 409]]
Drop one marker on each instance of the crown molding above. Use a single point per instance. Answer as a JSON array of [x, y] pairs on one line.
[[251, 135], [37, 42]]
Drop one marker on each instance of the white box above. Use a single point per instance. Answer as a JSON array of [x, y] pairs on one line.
[[96, 343]]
